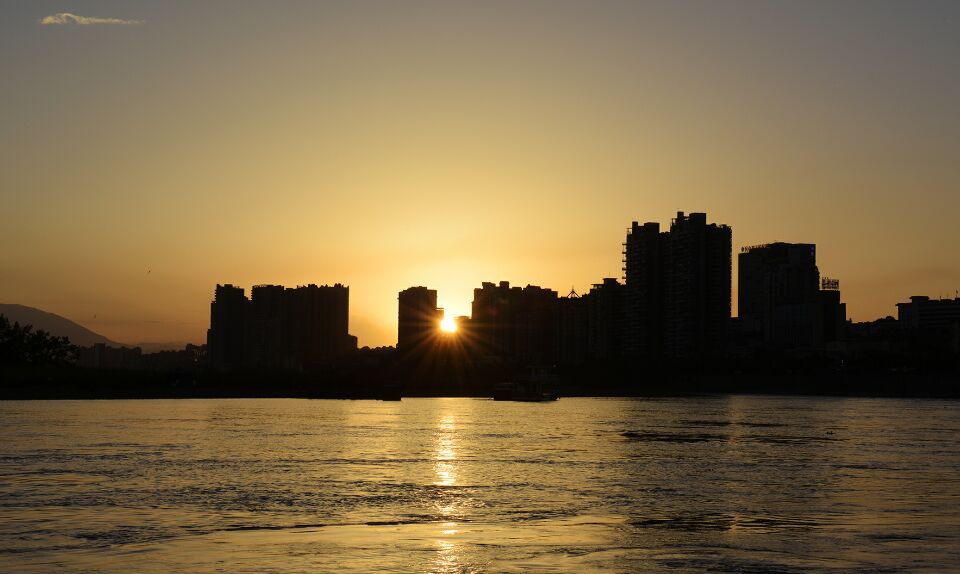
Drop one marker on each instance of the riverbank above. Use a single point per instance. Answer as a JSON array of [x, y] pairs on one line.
[[74, 383]]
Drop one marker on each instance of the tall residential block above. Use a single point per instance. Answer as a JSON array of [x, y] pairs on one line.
[[677, 288], [697, 287], [606, 320], [279, 328], [516, 325], [418, 319], [643, 299], [225, 338], [573, 328]]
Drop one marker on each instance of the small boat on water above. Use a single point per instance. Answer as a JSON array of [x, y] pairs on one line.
[[539, 385]]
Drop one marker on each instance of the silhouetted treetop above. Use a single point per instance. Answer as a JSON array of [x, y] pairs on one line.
[[21, 345]]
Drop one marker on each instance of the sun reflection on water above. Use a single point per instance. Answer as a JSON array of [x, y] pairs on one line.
[[448, 551], [445, 466], [447, 558]]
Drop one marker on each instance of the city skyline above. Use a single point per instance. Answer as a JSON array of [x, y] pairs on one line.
[[151, 150], [479, 286], [454, 312]]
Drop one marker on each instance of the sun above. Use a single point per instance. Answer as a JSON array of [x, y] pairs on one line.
[[448, 325]]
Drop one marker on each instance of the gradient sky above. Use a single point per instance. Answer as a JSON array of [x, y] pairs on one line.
[[398, 143]]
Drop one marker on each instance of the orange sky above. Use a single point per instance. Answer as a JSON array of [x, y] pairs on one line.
[[390, 144]]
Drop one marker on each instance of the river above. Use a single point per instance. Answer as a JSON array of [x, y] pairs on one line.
[[718, 483]]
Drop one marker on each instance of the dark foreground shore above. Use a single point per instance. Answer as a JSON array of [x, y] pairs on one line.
[[75, 383]]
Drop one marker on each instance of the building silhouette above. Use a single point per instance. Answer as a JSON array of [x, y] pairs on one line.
[[225, 338], [418, 319], [102, 356], [572, 329], [677, 289], [267, 335], [644, 297], [697, 274], [833, 311], [317, 320], [515, 325], [279, 328], [933, 322], [783, 302], [922, 313], [779, 294], [605, 320]]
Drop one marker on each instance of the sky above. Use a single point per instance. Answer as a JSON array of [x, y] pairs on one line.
[[150, 150]]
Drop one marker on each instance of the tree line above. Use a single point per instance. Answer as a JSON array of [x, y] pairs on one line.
[[20, 345]]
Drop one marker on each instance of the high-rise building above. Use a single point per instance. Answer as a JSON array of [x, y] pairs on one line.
[[517, 325], [293, 329], [537, 322], [643, 277], [782, 300], [606, 320], [266, 333], [697, 268], [225, 338], [418, 320], [572, 329], [779, 294], [317, 319], [677, 288]]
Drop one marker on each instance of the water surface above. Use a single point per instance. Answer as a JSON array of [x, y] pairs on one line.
[[726, 484]]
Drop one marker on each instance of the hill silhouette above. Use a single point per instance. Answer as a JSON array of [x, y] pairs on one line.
[[54, 324]]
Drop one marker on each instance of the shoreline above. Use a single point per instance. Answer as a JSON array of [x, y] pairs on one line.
[[86, 384]]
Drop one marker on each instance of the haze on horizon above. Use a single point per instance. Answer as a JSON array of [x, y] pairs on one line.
[[150, 150]]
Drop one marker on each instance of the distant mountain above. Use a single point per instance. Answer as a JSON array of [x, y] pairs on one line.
[[54, 324]]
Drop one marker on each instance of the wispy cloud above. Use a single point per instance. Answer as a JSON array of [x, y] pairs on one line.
[[68, 19]]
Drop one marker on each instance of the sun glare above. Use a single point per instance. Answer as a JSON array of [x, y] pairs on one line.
[[448, 325]]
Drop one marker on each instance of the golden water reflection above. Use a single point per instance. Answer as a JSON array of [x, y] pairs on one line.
[[447, 558], [445, 455], [577, 485]]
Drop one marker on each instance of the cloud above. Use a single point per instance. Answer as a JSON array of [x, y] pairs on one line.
[[68, 19]]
